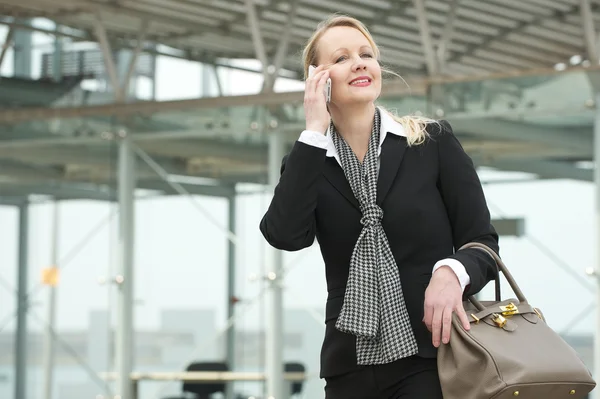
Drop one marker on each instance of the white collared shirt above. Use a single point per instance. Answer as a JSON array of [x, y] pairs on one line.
[[388, 125]]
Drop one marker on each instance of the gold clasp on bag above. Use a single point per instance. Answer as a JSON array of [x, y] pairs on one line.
[[536, 310], [499, 320], [509, 309]]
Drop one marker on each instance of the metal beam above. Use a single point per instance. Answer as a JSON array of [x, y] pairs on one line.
[[11, 201], [124, 337], [412, 87], [66, 190], [59, 190], [446, 38], [504, 33], [425, 31], [21, 332], [231, 291], [205, 58], [22, 53], [274, 293], [7, 43], [257, 39], [416, 88], [124, 85], [109, 62], [28, 172], [223, 191], [591, 44], [589, 31], [282, 48], [57, 57], [49, 349], [217, 79], [596, 179], [577, 139], [65, 161], [544, 169]]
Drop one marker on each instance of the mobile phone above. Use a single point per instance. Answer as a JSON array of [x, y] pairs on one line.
[[327, 90]]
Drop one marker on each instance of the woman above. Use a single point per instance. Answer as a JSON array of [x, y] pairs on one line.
[[389, 200]]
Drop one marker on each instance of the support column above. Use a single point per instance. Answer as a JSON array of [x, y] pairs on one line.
[[231, 247], [22, 304], [596, 365], [48, 338], [57, 56], [154, 74], [125, 276], [274, 298], [589, 32], [122, 63], [22, 53], [205, 81], [124, 345]]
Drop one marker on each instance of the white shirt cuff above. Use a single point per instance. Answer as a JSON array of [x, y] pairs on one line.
[[458, 269], [313, 138]]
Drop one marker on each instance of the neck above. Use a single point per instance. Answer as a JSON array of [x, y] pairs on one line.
[[354, 124]]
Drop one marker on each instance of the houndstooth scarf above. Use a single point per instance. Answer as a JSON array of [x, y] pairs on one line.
[[374, 308]]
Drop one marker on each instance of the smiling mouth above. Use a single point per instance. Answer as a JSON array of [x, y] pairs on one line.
[[360, 82]]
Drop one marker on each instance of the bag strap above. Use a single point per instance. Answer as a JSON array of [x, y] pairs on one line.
[[500, 267]]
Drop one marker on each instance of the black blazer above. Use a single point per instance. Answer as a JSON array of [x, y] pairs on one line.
[[432, 201]]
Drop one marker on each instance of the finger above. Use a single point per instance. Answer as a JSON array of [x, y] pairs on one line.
[[315, 74], [462, 316], [319, 68], [321, 79], [446, 325], [313, 83], [436, 326], [428, 315]]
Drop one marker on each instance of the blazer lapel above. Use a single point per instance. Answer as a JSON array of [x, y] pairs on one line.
[[392, 152], [335, 174]]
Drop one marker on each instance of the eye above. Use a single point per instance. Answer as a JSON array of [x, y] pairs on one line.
[[367, 55], [340, 59]]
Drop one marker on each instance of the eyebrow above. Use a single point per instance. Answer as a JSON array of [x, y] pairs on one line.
[[361, 47]]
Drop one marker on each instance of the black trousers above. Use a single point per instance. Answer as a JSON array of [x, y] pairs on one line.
[[410, 378]]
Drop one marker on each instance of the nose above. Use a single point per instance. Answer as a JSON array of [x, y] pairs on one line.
[[359, 64]]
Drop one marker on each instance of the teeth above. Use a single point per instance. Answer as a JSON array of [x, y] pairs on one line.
[[360, 81]]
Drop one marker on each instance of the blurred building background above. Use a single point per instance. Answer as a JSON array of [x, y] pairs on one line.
[[193, 103]]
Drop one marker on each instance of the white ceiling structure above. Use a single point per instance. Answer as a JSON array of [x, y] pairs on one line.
[[472, 37]]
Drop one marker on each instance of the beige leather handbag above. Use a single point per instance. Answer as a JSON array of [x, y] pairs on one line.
[[509, 352]]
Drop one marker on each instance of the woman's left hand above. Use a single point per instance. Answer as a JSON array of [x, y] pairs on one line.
[[442, 298]]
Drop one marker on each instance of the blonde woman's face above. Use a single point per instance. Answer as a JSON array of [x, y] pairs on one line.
[[354, 71]]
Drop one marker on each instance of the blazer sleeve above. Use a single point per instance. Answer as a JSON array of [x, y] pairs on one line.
[[467, 210], [289, 223]]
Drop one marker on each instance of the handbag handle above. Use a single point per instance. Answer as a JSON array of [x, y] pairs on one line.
[[501, 267]]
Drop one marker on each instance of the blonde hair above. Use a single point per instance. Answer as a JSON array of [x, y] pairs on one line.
[[414, 126]]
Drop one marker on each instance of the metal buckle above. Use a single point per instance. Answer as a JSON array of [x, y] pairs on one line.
[[499, 320], [509, 310]]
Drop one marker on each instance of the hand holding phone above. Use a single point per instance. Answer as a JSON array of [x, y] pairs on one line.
[[327, 91], [318, 88]]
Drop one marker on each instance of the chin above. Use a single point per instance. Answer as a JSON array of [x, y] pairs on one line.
[[361, 96], [362, 99]]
